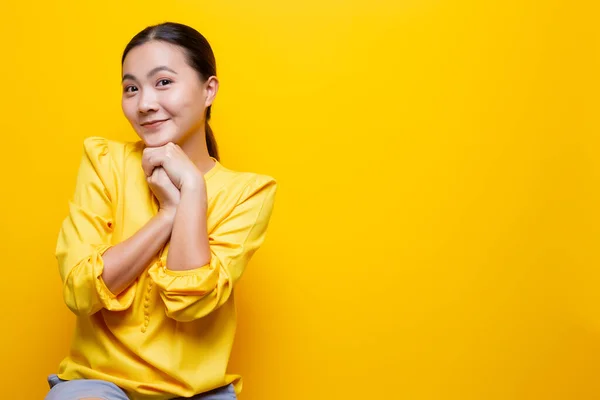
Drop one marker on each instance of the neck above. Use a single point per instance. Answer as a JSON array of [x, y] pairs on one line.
[[194, 146]]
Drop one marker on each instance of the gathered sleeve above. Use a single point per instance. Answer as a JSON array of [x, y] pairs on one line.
[[193, 294], [86, 233]]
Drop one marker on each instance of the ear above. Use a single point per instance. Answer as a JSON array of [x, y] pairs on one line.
[[211, 87]]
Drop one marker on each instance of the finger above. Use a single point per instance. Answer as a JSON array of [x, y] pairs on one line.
[[152, 177], [146, 166], [167, 157], [159, 173], [152, 161], [174, 150], [163, 178], [149, 151]]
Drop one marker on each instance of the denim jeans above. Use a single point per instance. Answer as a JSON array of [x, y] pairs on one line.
[[84, 388]]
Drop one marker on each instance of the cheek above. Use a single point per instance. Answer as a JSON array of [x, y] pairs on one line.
[[129, 109], [183, 103], [172, 101]]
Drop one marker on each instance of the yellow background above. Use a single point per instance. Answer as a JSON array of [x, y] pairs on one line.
[[437, 225]]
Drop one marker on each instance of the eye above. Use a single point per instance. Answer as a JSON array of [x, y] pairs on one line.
[[130, 89], [164, 82]]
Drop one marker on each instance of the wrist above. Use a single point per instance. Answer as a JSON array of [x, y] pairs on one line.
[[192, 183], [194, 188], [167, 214]]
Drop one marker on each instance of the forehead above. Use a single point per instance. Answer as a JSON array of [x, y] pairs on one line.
[[152, 54]]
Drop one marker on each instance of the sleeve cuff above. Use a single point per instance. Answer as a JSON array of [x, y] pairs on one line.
[[197, 281], [109, 300]]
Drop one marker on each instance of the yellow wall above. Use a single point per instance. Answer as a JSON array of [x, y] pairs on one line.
[[437, 223]]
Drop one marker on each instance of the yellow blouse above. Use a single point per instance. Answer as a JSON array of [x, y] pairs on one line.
[[169, 333]]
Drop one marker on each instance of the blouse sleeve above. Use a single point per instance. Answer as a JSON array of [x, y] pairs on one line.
[[86, 233], [192, 294]]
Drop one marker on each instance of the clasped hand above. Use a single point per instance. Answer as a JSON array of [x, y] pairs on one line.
[[169, 172]]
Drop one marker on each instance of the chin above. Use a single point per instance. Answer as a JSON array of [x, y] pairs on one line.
[[157, 139]]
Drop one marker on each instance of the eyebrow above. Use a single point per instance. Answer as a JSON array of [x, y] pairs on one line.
[[152, 72]]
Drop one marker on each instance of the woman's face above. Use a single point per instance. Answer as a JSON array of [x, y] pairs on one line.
[[164, 98]]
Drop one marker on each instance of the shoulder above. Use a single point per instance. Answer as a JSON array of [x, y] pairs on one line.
[[103, 146], [109, 152], [244, 182], [229, 189]]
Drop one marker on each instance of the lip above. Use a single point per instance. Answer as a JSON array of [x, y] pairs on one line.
[[154, 123]]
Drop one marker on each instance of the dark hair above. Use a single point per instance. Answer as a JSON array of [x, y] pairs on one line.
[[199, 56]]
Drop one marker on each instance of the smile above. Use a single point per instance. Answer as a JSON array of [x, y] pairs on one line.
[[153, 124]]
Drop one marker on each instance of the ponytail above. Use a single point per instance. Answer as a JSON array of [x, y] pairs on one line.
[[211, 142]]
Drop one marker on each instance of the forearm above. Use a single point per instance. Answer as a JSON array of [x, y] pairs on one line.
[[189, 247], [125, 261]]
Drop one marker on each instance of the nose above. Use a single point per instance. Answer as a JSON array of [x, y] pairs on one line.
[[147, 102]]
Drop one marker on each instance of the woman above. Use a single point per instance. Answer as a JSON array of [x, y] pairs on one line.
[[157, 236]]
